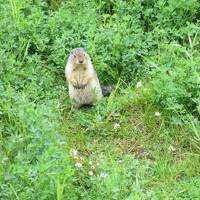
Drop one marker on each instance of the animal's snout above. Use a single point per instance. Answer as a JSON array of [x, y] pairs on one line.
[[80, 61]]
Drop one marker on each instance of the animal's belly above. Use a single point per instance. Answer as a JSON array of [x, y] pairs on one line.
[[84, 96], [88, 95]]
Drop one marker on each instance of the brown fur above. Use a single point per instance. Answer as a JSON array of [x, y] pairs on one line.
[[84, 87]]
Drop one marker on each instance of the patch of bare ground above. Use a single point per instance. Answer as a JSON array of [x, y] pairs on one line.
[[131, 147]]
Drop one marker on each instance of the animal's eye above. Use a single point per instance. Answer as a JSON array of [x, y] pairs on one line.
[[74, 56], [85, 56]]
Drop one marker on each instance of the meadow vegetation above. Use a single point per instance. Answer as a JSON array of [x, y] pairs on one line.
[[141, 142]]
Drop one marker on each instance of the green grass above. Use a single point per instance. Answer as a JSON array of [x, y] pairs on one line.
[[119, 148]]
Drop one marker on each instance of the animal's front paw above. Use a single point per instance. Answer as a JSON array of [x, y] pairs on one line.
[[79, 86], [74, 83]]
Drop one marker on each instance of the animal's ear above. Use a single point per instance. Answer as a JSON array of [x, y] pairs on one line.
[[72, 52], [85, 55]]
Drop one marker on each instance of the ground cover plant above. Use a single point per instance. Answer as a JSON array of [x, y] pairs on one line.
[[141, 142]]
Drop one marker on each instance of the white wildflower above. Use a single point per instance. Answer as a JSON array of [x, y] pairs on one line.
[[78, 164], [90, 162], [103, 175], [92, 167], [76, 157], [157, 114], [81, 158], [171, 148], [116, 125], [91, 173], [74, 152], [97, 164], [139, 84]]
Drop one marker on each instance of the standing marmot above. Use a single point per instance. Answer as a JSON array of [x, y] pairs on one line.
[[84, 87]]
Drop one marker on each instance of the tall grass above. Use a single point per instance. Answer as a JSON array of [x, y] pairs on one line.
[[141, 142]]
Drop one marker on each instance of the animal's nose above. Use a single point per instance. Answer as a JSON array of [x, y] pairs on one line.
[[80, 61]]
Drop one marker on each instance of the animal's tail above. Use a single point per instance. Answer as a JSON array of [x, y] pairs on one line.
[[106, 90]]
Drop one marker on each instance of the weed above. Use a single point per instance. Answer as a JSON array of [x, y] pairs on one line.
[[141, 142]]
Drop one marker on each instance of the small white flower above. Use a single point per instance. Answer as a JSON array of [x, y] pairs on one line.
[[103, 175], [90, 162], [171, 148], [92, 167], [120, 161], [97, 164], [78, 164], [139, 84], [74, 152], [81, 158], [157, 114], [76, 157], [91, 173], [116, 125]]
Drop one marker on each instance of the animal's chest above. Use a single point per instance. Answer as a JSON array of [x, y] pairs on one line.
[[83, 96], [79, 75]]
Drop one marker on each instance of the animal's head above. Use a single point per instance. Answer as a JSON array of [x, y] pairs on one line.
[[79, 57]]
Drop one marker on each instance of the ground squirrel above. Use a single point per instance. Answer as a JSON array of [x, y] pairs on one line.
[[84, 86]]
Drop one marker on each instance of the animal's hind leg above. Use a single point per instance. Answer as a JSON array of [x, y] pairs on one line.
[[76, 106]]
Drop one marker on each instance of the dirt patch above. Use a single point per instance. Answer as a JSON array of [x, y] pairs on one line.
[[136, 119], [131, 147]]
